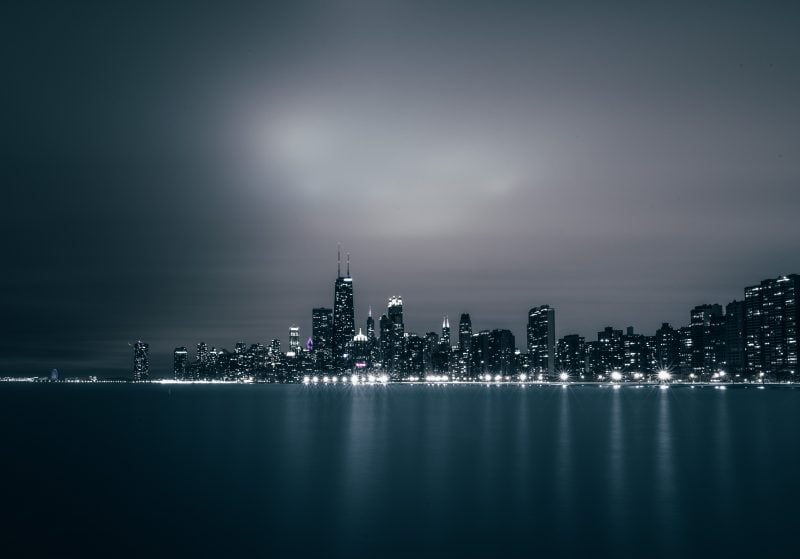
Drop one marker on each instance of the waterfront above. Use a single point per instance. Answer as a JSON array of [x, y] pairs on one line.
[[400, 470]]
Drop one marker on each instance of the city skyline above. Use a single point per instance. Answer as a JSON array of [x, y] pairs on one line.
[[747, 339], [188, 180]]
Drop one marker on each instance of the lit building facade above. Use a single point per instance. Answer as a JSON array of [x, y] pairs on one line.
[[542, 340]]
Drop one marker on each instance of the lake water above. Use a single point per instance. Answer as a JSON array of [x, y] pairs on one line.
[[399, 471]]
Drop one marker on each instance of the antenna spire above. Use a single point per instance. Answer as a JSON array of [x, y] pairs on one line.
[[348, 264], [339, 260]]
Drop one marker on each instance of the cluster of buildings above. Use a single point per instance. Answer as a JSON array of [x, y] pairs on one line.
[[751, 339]]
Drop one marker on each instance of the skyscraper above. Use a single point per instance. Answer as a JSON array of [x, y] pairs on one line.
[[180, 363], [571, 356], [294, 339], [343, 316], [322, 336], [707, 327], [394, 362], [610, 351], [141, 361], [464, 345], [735, 338], [635, 348], [668, 345], [446, 331], [500, 358], [542, 340], [772, 318]]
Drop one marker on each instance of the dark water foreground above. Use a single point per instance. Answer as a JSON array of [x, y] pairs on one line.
[[399, 471]]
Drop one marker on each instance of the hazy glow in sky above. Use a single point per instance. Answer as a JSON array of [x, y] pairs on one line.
[[178, 173]]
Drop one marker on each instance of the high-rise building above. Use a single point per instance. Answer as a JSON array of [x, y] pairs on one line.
[[202, 364], [446, 331], [571, 355], [708, 328], [610, 351], [180, 363], [370, 324], [479, 354], [464, 346], [594, 362], [667, 350], [385, 326], [322, 336], [343, 316], [413, 351], [685, 352], [635, 348], [361, 355], [542, 340], [735, 338], [374, 347], [394, 361], [500, 358], [431, 348], [772, 319], [294, 339], [141, 361]]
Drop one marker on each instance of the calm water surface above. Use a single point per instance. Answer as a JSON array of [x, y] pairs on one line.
[[399, 471]]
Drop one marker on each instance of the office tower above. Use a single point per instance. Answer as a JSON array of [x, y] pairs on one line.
[[685, 352], [238, 365], [501, 348], [735, 338], [772, 316], [446, 331], [322, 336], [571, 355], [385, 326], [542, 340], [202, 360], [431, 348], [413, 350], [141, 361], [594, 363], [464, 332], [374, 347], [343, 316], [479, 354], [370, 325], [361, 355], [464, 344], [180, 363], [707, 327], [635, 348], [611, 351], [294, 339], [667, 350], [394, 361]]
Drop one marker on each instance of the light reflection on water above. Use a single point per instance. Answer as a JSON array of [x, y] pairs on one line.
[[402, 471]]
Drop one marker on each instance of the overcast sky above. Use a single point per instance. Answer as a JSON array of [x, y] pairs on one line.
[[177, 173]]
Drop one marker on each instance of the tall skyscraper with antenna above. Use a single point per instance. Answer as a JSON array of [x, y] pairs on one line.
[[343, 315]]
